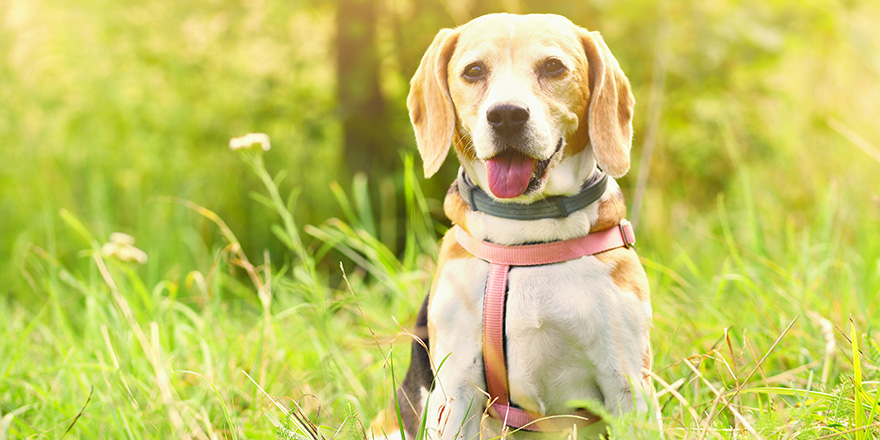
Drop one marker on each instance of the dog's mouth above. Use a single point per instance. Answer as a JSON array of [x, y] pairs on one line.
[[512, 173]]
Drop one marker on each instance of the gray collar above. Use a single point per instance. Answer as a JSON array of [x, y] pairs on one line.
[[550, 207]]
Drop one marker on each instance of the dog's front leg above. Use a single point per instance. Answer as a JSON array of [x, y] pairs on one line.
[[456, 404]]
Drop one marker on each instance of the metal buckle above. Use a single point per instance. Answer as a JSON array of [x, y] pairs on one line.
[[627, 233]]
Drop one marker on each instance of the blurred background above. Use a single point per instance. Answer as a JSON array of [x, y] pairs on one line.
[[105, 105]]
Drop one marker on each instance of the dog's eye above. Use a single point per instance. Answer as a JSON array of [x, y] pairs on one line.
[[474, 71], [553, 67]]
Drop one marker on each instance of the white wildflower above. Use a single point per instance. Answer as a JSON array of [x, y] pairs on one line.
[[827, 334], [249, 140], [121, 247], [827, 330]]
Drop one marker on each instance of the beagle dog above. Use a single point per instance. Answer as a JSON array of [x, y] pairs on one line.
[[540, 117]]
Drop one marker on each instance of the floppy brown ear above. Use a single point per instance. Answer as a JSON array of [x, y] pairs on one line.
[[611, 107], [430, 106]]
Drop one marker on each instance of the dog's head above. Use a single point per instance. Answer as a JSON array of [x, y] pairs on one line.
[[531, 103]]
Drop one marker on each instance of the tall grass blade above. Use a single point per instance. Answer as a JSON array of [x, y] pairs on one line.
[[396, 401], [857, 380]]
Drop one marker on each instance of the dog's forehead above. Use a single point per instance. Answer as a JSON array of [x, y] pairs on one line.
[[512, 34]]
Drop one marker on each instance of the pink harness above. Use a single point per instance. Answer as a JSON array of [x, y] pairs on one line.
[[500, 259]]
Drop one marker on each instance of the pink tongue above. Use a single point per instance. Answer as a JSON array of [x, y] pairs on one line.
[[509, 174]]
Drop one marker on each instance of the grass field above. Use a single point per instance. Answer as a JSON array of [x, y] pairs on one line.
[[758, 230], [754, 319]]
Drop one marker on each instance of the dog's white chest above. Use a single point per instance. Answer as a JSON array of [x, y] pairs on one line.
[[569, 329]]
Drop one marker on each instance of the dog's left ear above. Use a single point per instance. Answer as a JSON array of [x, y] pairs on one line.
[[430, 106], [611, 107]]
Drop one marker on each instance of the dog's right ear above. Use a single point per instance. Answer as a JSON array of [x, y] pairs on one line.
[[430, 105]]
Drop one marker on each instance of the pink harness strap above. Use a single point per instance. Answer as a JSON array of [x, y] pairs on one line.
[[500, 259]]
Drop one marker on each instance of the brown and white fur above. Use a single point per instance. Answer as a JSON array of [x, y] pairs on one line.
[[577, 330]]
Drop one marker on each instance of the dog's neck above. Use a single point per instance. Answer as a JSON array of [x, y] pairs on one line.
[[606, 211], [545, 207]]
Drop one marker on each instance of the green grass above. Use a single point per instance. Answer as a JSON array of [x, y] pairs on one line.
[[751, 331]]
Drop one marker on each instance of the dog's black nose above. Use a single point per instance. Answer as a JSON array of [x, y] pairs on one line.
[[507, 118]]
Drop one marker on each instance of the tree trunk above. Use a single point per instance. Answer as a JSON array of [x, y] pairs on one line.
[[365, 124]]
